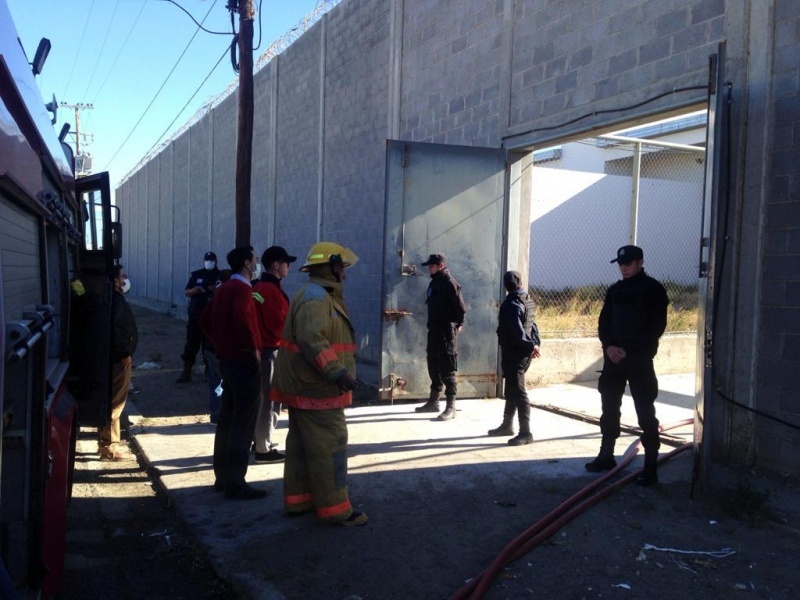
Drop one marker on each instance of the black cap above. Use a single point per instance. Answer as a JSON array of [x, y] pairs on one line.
[[435, 259], [628, 254], [278, 253], [512, 278], [210, 256]]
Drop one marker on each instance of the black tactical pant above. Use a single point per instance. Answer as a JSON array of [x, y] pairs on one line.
[[638, 371], [442, 360], [194, 339], [514, 369]]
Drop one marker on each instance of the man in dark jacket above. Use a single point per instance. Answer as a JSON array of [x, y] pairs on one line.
[[199, 288], [446, 312], [633, 318], [124, 338], [518, 337]]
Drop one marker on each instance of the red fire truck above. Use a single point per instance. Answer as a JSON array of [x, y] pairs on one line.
[[58, 244]]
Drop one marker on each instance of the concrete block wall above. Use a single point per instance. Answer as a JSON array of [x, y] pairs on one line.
[[778, 389], [571, 59], [451, 72], [356, 119]]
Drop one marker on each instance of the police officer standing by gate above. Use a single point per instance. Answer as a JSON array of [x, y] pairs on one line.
[[446, 312], [633, 318]]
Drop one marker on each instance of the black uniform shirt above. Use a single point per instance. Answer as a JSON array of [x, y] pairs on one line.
[[204, 278], [634, 314], [445, 305]]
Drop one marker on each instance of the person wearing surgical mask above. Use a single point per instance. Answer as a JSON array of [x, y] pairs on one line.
[[231, 324], [199, 288], [124, 338]]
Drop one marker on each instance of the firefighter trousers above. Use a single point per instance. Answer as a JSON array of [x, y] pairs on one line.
[[315, 472]]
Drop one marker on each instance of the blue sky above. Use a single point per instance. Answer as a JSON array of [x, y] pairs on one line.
[[116, 54]]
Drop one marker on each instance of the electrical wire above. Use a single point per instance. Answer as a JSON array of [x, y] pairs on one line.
[[80, 45], [100, 52], [195, 20], [164, 83], [180, 112], [119, 53], [609, 111], [260, 29]]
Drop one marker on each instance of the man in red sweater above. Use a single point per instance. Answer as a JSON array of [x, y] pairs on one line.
[[272, 306], [230, 322]]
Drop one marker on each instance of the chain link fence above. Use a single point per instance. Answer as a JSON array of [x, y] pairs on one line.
[[592, 196]]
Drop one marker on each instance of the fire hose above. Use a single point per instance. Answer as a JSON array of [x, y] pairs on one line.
[[544, 528]]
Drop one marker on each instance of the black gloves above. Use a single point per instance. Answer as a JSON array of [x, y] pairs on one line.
[[345, 382]]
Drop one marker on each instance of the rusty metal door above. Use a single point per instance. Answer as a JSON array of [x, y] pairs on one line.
[[448, 200]]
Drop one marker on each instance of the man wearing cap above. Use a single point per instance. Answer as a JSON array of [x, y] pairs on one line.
[[272, 306], [518, 337], [446, 312], [633, 318], [199, 288]]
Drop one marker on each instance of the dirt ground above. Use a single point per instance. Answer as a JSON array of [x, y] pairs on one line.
[[126, 542]]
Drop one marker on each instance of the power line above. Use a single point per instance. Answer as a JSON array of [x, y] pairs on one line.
[[180, 112], [80, 45], [149, 106], [116, 58], [102, 47], [195, 20]]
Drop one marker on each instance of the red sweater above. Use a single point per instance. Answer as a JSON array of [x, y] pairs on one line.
[[272, 306], [230, 322]]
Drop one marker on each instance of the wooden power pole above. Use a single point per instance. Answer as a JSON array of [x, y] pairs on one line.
[[244, 147]]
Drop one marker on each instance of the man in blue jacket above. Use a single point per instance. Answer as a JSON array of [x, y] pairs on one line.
[[519, 341]]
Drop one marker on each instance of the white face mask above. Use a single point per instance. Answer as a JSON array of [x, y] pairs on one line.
[[126, 286], [257, 272], [209, 265]]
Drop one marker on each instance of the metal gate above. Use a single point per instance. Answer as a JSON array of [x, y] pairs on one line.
[[449, 200]]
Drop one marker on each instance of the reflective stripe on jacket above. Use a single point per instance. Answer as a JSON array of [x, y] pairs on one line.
[[318, 345]]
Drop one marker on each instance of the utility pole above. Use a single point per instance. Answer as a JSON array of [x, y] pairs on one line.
[[83, 161], [244, 147]]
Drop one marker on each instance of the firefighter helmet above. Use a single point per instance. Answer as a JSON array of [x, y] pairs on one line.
[[323, 253]]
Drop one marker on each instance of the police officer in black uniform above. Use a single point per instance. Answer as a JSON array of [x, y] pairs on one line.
[[633, 318], [518, 336], [199, 288], [446, 312]]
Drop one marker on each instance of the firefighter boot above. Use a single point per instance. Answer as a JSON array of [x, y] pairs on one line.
[[525, 436], [186, 374], [649, 474], [449, 410], [431, 406], [605, 459], [506, 428]]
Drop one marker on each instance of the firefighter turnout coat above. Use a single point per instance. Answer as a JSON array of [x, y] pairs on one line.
[[317, 346]]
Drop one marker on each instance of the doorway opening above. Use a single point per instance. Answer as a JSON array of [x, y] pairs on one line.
[[641, 185]]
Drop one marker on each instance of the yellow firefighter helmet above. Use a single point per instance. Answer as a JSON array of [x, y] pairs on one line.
[[323, 253]]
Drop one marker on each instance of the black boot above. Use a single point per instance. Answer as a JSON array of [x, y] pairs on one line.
[[506, 428], [431, 406], [449, 411], [605, 459], [186, 375], [649, 474], [525, 437]]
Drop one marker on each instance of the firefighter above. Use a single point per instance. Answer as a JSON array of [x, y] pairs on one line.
[[315, 377]]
